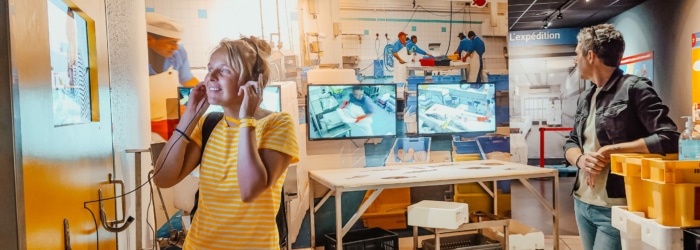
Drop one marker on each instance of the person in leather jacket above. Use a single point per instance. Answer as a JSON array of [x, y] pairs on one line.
[[616, 113]]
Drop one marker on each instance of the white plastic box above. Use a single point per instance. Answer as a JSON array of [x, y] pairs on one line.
[[657, 236], [630, 226], [438, 214], [520, 236]]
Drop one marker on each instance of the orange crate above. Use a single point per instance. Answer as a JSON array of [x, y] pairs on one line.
[[676, 205], [672, 171], [388, 211]]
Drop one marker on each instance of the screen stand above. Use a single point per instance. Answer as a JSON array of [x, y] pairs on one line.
[[359, 146]]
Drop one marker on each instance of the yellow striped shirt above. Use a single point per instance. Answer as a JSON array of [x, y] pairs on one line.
[[223, 220]]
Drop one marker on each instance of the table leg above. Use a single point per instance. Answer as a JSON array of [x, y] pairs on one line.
[[339, 220], [555, 190], [437, 239], [415, 237], [312, 223]]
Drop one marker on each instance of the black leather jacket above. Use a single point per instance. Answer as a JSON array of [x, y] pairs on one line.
[[627, 108]]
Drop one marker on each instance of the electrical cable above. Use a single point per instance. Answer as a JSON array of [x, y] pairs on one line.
[[97, 229], [451, 13], [449, 43], [155, 218]]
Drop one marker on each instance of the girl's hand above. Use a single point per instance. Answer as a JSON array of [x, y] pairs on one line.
[[252, 97], [198, 98]]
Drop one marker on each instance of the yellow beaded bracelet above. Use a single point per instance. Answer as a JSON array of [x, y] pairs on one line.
[[247, 122]]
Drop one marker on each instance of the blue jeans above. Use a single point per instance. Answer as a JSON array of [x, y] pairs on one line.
[[595, 227]]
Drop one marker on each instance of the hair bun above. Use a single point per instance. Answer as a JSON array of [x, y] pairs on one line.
[[264, 48]]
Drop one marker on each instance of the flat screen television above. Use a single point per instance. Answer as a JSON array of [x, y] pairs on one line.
[[456, 108], [271, 99], [350, 111]]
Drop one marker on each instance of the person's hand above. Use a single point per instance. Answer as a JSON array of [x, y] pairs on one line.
[[607, 150], [429, 55], [593, 162], [402, 62], [359, 118], [252, 97], [464, 59], [197, 101]]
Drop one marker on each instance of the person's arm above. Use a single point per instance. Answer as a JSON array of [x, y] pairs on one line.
[[396, 55], [260, 168], [395, 50], [255, 174], [420, 51], [653, 114], [180, 156]]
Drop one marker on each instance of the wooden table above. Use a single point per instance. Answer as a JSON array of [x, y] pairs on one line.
[[429, 174]]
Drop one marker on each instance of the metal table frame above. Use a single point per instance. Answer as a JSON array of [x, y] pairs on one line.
[[341, 230]]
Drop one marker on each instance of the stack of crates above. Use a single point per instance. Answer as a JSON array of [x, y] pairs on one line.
[[410, 117], [665, 192], [501, 81], [464, 149], [412, 83], [446, 78], [469, 149]]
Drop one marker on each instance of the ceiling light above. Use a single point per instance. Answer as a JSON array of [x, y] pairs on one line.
[[560, 16]]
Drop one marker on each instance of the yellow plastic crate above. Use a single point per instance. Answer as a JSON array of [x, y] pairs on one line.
[[618, 163], [484, 202], [636, 190], [388, 211], [471, 188], [665, 171], [465, 157], [675, 205]]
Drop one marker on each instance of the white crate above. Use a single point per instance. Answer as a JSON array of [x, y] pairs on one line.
[[438, 214], [520, 236], [630, 226], [657, 236]]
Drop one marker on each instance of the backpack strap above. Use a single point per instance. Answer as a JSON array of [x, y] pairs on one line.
[[209, 124]]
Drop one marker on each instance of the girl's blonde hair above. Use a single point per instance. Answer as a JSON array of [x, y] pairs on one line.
[[248, 57]]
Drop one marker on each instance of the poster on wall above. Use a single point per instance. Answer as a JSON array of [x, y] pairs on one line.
[[696, 68], [544, 86], [640, 65], [70, 66]]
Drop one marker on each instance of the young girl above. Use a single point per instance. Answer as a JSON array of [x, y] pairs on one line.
[[245, 159]]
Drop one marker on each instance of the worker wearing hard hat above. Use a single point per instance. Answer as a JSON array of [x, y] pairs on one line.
[[163, 49], [400, 71], [168, 68]]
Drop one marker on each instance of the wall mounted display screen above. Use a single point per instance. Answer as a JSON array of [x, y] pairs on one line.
[[69, 46], [272, 99], [351, 111], [449, 108]]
